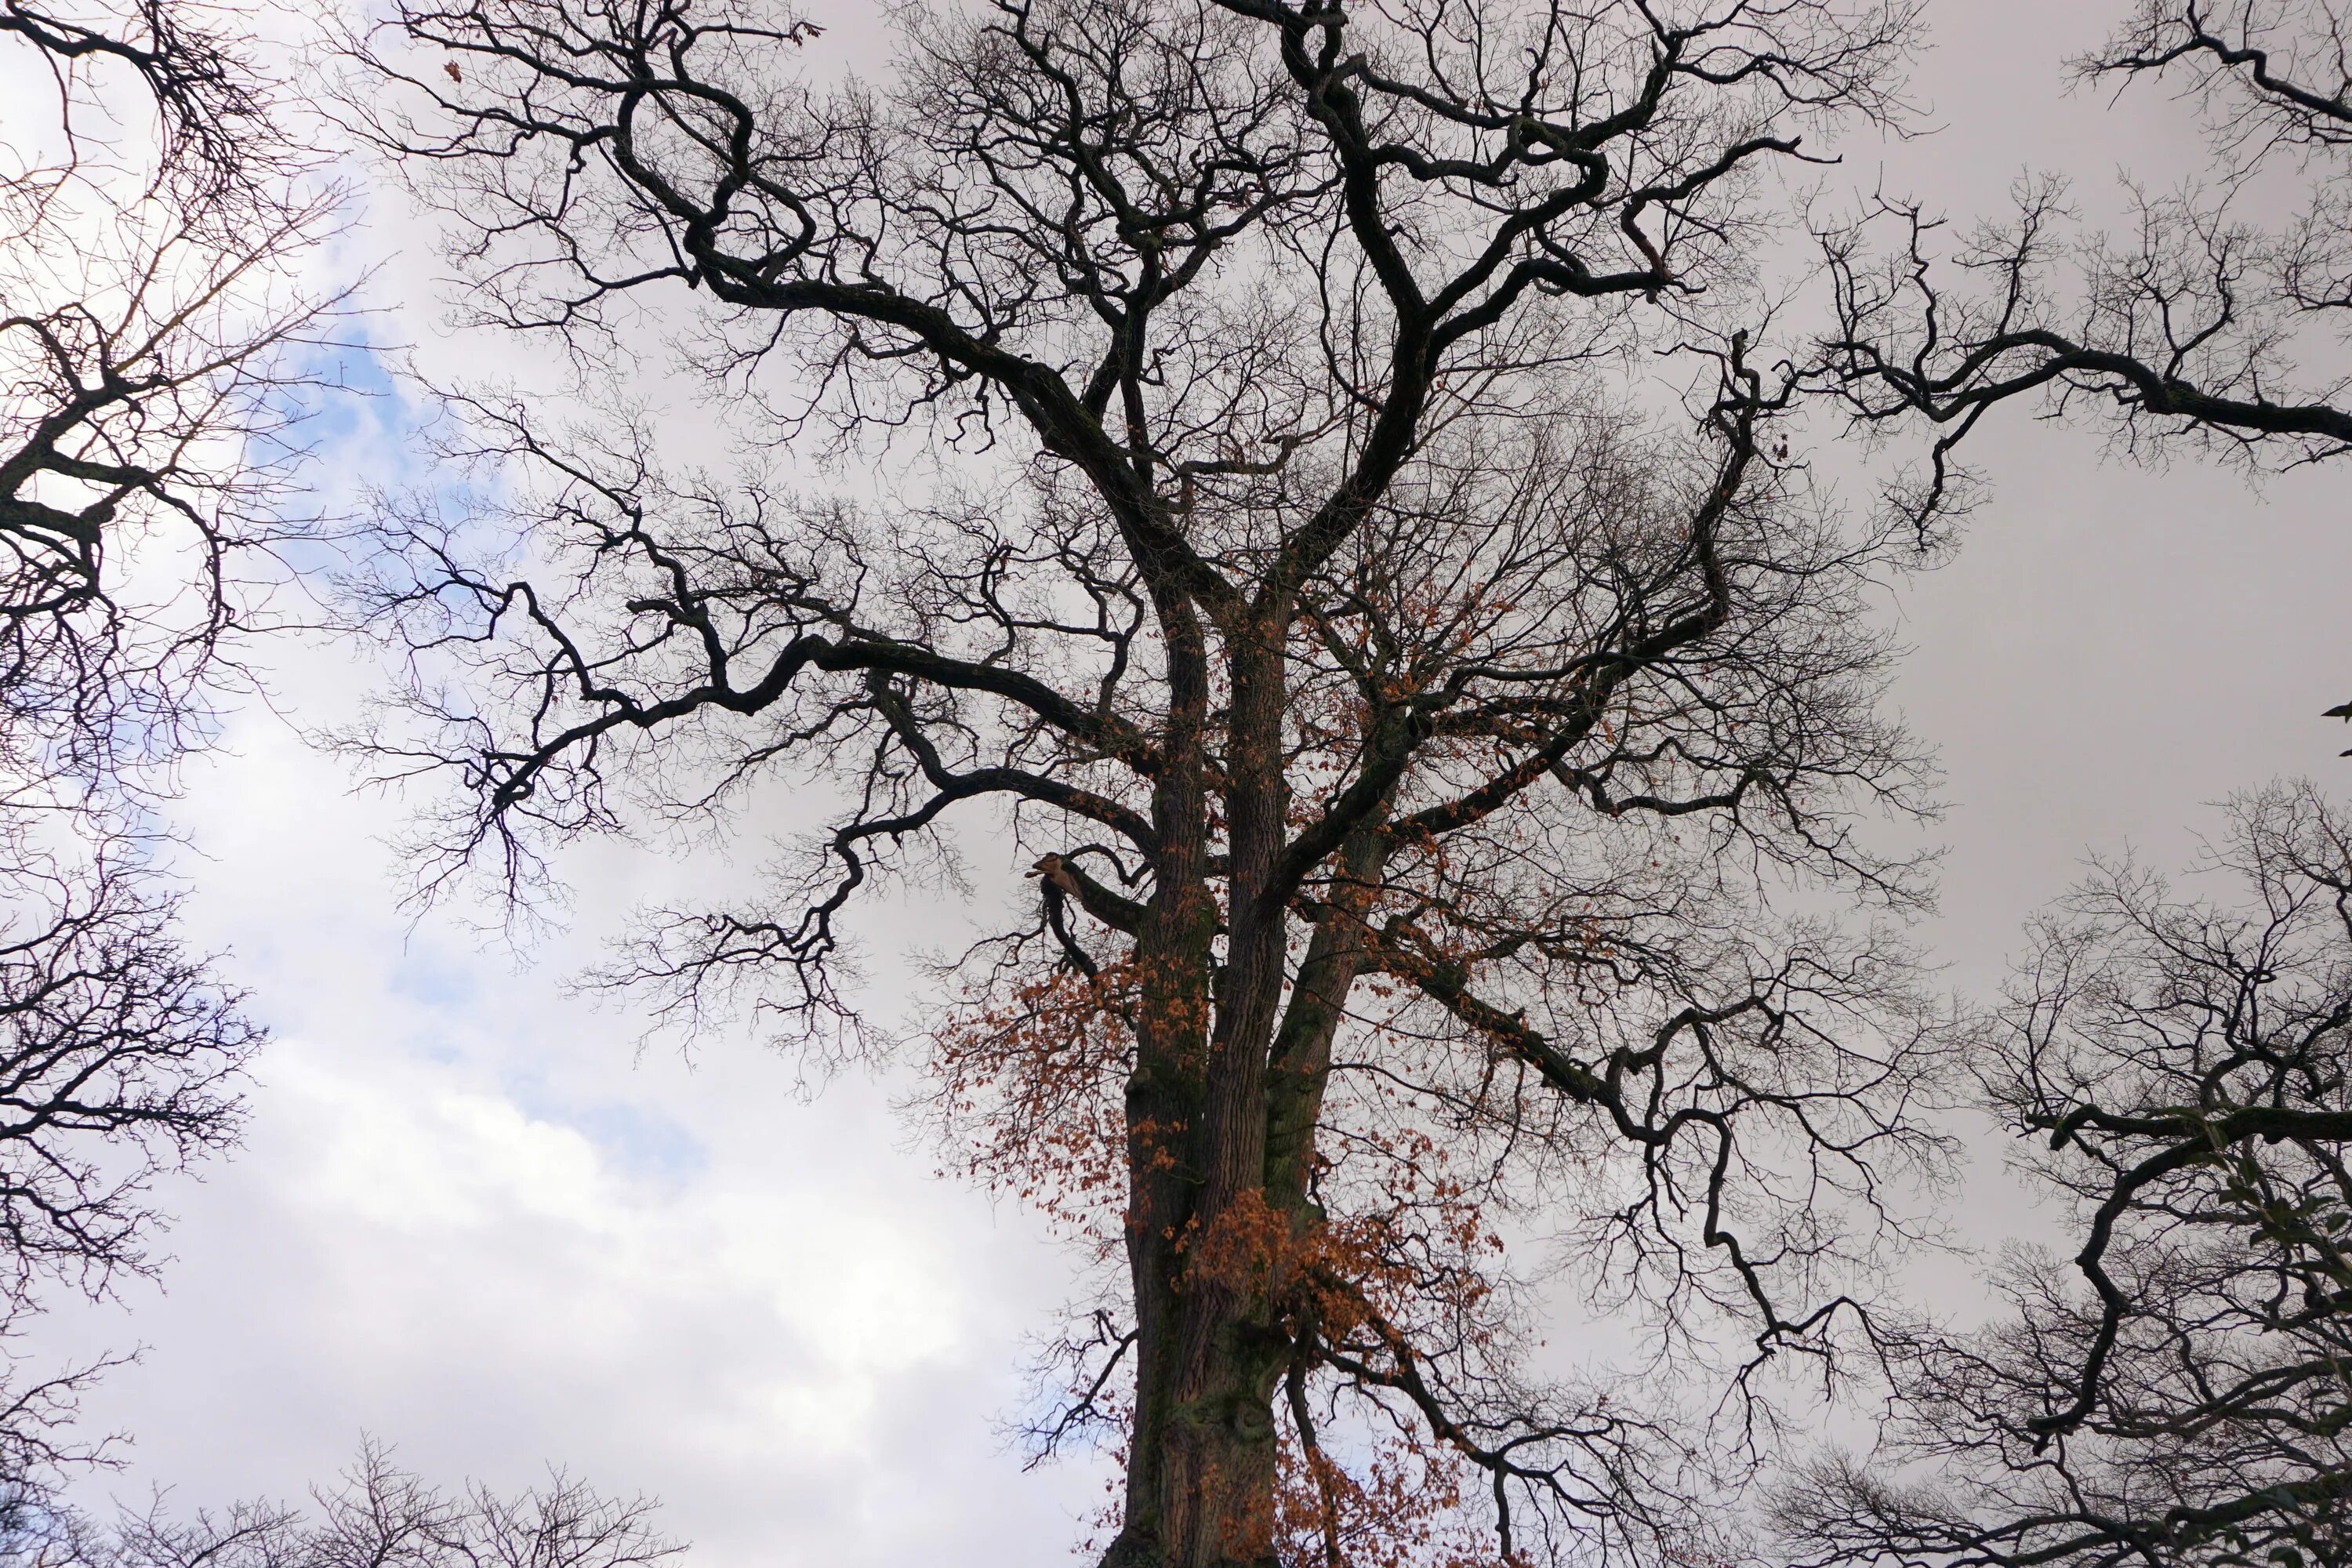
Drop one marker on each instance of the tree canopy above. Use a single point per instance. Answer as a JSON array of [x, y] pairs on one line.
[[1342, 523]]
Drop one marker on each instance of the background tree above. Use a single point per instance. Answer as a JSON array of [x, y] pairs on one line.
[[2203, 326], [151, 348], [2174, 1393], [378, 1516], [150, 352], [1320, 482]]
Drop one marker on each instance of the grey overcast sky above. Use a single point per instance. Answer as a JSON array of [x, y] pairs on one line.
[[471, 1224]]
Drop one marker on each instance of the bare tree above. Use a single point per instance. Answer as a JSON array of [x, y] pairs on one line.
[[117, 1056], [213, 132], [378, 1516], [1330, 503], [152, 346], [2175, 1393], [2201, 326]]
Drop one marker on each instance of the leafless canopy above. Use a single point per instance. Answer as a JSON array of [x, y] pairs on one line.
[[2174, 1393], [151, 349], [213, 126], [117, 1057], [150, 345], [1331, 501], [2202, 325], [378, 1516]]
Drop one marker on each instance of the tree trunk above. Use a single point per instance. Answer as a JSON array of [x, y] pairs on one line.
[[1210, 1349], [1201, 1472], [1209, 1353]]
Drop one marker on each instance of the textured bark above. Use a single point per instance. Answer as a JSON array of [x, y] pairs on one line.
[[1202, 1493]]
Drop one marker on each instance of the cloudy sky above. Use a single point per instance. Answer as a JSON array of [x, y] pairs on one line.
[[473, 1223]]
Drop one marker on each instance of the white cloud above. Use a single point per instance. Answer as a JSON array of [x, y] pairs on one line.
[[467, 1223]]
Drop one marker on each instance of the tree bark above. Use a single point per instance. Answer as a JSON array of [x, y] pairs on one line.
[[1210, 1348]]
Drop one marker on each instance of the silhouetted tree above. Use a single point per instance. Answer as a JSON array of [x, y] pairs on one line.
[[117, 1055], [2200, 327], [378, 1516], [1318, 482], [152, 349], [150, 340], [2176, 1392]]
